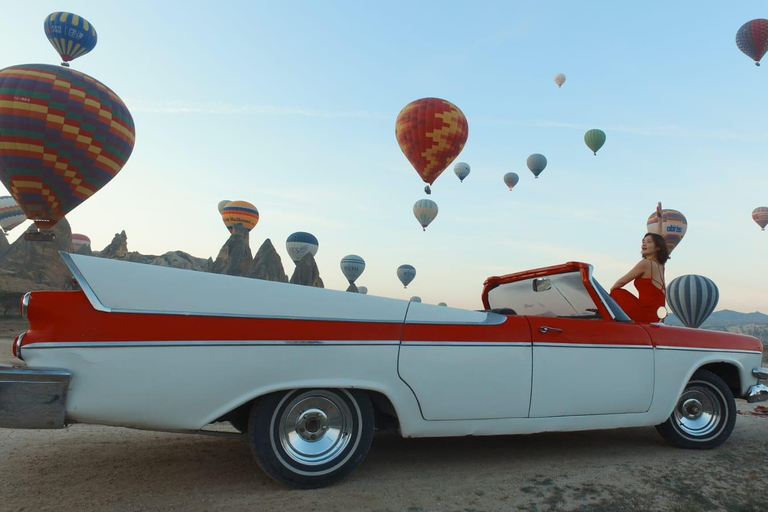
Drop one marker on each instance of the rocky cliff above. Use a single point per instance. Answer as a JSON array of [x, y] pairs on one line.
[[4, 243], [267, 264], [235, 256], [307, 273]]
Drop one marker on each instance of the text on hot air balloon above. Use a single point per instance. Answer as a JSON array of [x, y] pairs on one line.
[[674, 229]]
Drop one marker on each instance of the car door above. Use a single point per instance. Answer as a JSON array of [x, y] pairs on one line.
[[467, 371], [583, 366]]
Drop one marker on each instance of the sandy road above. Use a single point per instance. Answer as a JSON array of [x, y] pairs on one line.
[[102, 468]]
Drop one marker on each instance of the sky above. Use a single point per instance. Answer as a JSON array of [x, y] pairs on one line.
[[292, 105]]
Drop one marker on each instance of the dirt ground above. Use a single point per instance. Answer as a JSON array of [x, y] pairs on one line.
[[96, 468]]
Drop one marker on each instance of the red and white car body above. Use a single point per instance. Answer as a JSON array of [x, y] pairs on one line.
[[165, 349]]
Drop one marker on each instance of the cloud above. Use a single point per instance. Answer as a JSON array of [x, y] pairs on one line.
[[238, 109]]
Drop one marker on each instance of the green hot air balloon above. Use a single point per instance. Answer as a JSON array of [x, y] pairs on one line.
[[594, 140]]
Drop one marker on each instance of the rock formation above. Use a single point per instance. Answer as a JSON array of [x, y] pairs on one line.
[[306, 272], [352, 288], [235, 256], [267, 264], [117, 248], [175, 259], [4, 243]]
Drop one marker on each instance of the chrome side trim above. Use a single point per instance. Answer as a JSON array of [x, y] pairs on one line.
[[757, 393], [424, 343], [490, 319], [17, 345], [696, 349], [211, 343], [92, 297], [591, 345], [25, 304], [33, 397], [760, 373]]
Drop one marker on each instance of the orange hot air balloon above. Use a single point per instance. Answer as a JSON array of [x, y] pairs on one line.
[[431, 132]]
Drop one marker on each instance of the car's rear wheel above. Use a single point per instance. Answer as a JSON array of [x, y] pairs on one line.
[[311, 438], [704, 415]]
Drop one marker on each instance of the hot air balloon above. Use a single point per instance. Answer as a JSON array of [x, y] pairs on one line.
[[511, 179], [462, 170], [63, 136], [362, 290], [537, 163], [559, 80], [752, 39], [406, 273], [300, 243], [759, 215], [71, 35], [79, 241], [415, 298], [431, 132], [692, 298], [352, 266], [11, 215], [425, 211], [594, 140], [442, 304], [242, 213], [673, 227], [222, 204]]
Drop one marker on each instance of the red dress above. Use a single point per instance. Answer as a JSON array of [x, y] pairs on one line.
[[642, 310]]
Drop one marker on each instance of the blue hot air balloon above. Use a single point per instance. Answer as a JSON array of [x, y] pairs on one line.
[[406, 274], [71, 35], [511, 179], [300, 243], [462, 170], [692, 298], [536, 163], [352, 266], [425, 211]]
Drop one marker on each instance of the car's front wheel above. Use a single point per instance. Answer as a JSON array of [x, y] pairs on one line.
[[311, 438], [704, 415]]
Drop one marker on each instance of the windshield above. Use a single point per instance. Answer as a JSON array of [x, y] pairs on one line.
[[561, 295]]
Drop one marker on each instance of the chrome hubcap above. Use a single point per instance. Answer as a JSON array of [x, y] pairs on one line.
[[698, 412], [315, 427]]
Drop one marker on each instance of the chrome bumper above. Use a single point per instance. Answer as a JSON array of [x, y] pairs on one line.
[[758, 392], [33, 397]]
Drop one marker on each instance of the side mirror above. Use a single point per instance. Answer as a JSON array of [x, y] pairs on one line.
[[661, 313], [542, 284]]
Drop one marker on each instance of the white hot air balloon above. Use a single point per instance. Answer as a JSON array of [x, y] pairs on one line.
[[462, 170], [415, 298], [425, 211], [363, 290], [300, 243], [559, 80], [352, 266], [406, 273], [222, 204]]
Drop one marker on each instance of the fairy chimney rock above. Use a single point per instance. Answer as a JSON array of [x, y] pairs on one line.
[[307, 273], [117, 248], [235, 256], [267, 264]]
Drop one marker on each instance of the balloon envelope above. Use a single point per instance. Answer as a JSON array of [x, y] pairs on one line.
[[759, 215], [242, 213], [352, 266], [63, 136], [79, 241], [752, 39], [431, 133], [363, 290], [222, 204], [71, 35], [406, 274], [425, 211], [594, 139], [536, 163], [415, 298], [300, 243], [511, 179], [462, 170], [559, 79], [673, 227], [11, 214], [692, 298]]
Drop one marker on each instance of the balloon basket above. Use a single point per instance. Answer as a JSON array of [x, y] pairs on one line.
[[39, 236], [65, 64]]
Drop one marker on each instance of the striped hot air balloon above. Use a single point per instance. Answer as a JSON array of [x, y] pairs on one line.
[[352, 266], [11, 214], [71, 35], [406, 274], [752, 39], [431, 133], [759, 215], [79, 241], [63, 136], [692, 298], [673, 227], [240, 212], [300, 243], [425, 211]]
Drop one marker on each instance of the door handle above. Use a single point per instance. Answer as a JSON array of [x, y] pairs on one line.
[[546, 329]]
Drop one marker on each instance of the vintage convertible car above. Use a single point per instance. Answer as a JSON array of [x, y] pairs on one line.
[[307, 374]]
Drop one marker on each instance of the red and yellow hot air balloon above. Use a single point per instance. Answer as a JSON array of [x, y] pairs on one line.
[[240, 212], [63, 136], [431, 132]]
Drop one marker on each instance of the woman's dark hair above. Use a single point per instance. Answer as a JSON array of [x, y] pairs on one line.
[[658, 240]]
